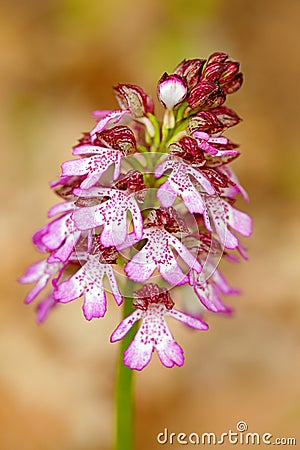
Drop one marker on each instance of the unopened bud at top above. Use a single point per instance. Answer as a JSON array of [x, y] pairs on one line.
[[171, 90], [190, 70], [219, 78]]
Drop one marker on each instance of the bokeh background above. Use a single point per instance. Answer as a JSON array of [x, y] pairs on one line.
[[59, 60]]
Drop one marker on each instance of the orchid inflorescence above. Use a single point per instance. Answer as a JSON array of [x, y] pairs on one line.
[[151, 203]]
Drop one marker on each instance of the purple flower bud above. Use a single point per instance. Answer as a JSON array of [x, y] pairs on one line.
[[226, 116], [118, 138], [134, 99], [225, 73], [217, 57], [230, 70], [206, 95], [212, 72], [190, 70], [222, 74], [233, 85], [205, 121], [187, 148]]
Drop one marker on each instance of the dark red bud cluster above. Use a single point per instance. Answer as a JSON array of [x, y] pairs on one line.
[[219, 77]]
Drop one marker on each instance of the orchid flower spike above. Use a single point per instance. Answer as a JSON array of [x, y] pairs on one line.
[[147, 206]]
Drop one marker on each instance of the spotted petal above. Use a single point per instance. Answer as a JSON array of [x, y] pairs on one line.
[[59, 236], [179, 183], [39, 273], [157, 254], [224, 215], [94, 166], [112, 214], [190, 321], [166, 194], [154, 334], [209, 297], [125, 325], [88, 281], [229, 172], [113, 117]]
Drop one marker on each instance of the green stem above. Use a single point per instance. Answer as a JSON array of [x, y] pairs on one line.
[[124, 391]]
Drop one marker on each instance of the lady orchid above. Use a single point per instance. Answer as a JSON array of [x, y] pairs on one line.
[[147, 204], [152, 305]]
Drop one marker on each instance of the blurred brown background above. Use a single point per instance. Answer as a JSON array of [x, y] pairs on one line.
[[59, 60]]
